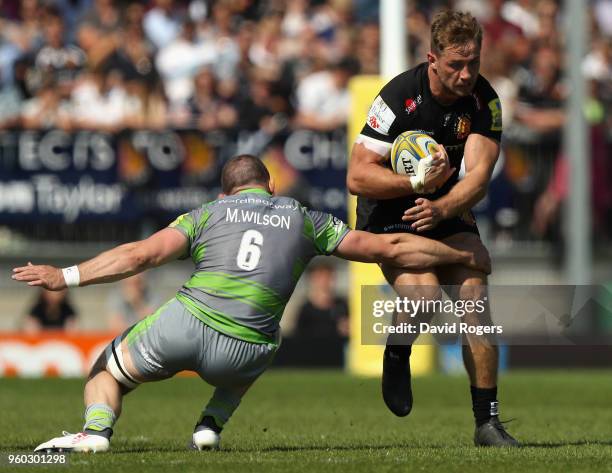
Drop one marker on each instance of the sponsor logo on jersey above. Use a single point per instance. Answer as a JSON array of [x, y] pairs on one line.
[[412, 104], [496, 114], [380, 116], [447, 119], [463, 127], [426, 132], [338, 225], [454, 148]]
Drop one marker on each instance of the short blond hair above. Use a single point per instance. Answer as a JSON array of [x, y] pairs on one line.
[[451, 28]]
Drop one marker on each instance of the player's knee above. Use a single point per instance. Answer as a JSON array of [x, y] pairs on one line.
[[483, 344], [98, 366], [476, 292], [114, 363], [427, 292]]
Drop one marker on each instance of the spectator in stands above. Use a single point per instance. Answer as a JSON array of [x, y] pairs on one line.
[[498, 31], [204, 110], [495, 67], [56, 58], [97, 45], [104, 15], [47, 109], [541, 94], [19, 37], [522, 14], [220, 33], [324, 314], [135, 53], [180, 60], [264, 51], [11, 102], [367, 49], [162, 23], [323, 98], [255, 111], [132, 301], [548, 27], [100, 101], [51, 311]]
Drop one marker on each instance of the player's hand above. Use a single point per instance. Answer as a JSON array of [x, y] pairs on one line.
[[477, 254], [48, 277], [480, 259], [425, 215], [439, 171]]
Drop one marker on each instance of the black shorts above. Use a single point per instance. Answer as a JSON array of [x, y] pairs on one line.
[[444, 229]]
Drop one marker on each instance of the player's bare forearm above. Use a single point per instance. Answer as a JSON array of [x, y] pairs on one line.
[[415, 252], [367, 177], [113, 265], [480, 156], [463, 196]]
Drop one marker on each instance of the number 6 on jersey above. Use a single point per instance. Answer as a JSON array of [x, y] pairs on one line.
[[250, 250]]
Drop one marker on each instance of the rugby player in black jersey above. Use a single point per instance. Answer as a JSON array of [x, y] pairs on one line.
[[447, 99]]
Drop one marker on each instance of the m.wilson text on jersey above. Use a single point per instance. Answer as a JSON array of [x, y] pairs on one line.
[[250, 216]]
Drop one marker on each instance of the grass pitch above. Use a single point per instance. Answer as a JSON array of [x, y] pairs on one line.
[[312, 421]]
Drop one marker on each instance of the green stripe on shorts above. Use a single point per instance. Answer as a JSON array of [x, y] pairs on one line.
[[138, 329]]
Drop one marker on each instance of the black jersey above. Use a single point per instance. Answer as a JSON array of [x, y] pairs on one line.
[[406, 103]]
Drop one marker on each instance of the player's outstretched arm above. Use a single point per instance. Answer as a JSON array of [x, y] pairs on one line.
[[112, 265], [409, 251]]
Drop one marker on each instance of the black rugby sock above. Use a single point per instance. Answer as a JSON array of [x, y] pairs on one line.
[[108, 433], [484, 404], [400, 351]]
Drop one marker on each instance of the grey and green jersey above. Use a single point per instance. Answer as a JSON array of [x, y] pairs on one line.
[[249, 250]]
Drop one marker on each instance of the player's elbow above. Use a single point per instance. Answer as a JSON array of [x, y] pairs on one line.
[[390, 251], [481, 193], [355, 182], [402, 252]]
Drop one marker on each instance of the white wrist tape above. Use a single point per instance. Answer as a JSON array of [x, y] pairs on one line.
[[417, 183], [71, 276]]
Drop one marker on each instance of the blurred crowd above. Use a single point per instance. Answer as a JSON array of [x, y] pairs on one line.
[[206, 63], [266, 65], [209, 65]]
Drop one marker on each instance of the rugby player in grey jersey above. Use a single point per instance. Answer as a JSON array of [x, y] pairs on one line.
[[249, 248]]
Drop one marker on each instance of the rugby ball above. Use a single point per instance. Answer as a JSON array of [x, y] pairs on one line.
[[411, 153]]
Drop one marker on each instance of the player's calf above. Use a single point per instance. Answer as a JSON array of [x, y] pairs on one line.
[[223, 404]]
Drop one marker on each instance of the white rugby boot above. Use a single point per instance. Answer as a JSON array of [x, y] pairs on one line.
[[79, 442], [206, 439]]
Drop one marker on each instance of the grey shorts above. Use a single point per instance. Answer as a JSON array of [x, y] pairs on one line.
[[173, 340]]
